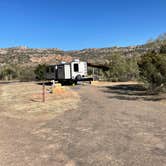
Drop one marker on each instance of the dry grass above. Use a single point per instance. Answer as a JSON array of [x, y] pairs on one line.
[[24, 100], [102, 83]]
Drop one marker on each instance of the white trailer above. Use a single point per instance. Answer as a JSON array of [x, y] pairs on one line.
[[68, 72]]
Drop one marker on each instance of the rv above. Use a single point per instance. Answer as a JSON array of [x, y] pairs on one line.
[[68, 72]]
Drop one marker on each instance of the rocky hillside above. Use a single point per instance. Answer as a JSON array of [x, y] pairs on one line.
[[29, 56], [104, 54]]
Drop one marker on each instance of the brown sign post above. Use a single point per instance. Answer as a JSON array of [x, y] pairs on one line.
[[44, 93]]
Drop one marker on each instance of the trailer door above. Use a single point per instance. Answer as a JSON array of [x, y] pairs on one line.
[[61, 72], [67, 72]]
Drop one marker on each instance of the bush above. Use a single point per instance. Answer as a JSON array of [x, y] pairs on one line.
[[27, 74], [8, 72], [152, 68], [40, 72], [163, 49], [122, 68]]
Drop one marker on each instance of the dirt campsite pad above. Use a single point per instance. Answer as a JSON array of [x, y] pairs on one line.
[[24, 100], [108, 125]]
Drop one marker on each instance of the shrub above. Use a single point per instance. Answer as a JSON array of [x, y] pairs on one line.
[[27, 74], [152, 68], [122, 68], [163, 49], [40, 72], [8, 72]]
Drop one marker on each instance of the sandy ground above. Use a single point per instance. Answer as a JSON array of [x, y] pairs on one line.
[[110, 125], [24, 100]]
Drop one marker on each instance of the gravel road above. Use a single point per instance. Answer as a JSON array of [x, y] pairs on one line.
[[113, 126]]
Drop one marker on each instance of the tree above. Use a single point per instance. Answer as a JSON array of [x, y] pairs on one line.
[[122, 68], [132, 69], [152, 68], [40, 71], [163, 49], [8, 72]]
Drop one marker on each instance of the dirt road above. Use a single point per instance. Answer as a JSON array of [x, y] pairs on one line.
[[112, 126]]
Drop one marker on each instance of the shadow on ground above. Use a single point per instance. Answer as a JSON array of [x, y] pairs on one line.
[[8, 82], [48, 83], [131, 92]]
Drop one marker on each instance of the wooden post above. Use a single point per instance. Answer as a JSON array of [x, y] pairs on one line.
[[44, 95], [93, 73]]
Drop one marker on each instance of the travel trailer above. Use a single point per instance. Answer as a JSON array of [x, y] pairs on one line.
[[68, 72]]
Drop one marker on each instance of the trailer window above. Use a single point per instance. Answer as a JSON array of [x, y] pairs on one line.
[[76, 67]]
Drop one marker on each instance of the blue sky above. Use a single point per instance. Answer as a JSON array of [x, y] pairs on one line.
[[78, 24]]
